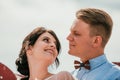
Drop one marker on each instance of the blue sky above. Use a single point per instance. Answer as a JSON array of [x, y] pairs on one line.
[[19, 17]]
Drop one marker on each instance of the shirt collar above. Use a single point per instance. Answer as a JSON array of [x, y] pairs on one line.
[[95, 62]]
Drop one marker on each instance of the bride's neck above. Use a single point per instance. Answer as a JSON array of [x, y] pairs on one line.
[[41, 76], [38, 72]]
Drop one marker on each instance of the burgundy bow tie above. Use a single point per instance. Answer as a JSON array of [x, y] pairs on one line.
[[78, 64]]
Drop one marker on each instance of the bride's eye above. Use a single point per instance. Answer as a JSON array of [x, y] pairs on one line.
[[46, 40]]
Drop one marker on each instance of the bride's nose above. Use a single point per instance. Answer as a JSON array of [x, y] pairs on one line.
[[52, 44]]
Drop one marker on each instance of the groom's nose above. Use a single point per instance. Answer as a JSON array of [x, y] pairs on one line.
[[69, 37]]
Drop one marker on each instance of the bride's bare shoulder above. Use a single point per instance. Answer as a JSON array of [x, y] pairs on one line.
[[62, 75]]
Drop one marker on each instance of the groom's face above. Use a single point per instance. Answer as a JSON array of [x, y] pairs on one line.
[[79, 39]]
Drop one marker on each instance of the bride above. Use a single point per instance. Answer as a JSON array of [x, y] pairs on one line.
[[39, 50]]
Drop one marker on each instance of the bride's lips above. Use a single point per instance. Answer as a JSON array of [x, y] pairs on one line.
[[50, 51]]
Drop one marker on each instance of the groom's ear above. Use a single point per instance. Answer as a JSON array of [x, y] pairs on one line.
[[97, 41]]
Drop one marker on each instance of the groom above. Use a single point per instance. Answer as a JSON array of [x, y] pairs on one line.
[[88, 37]]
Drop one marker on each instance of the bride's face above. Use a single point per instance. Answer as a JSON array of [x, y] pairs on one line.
[[44, 49]]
